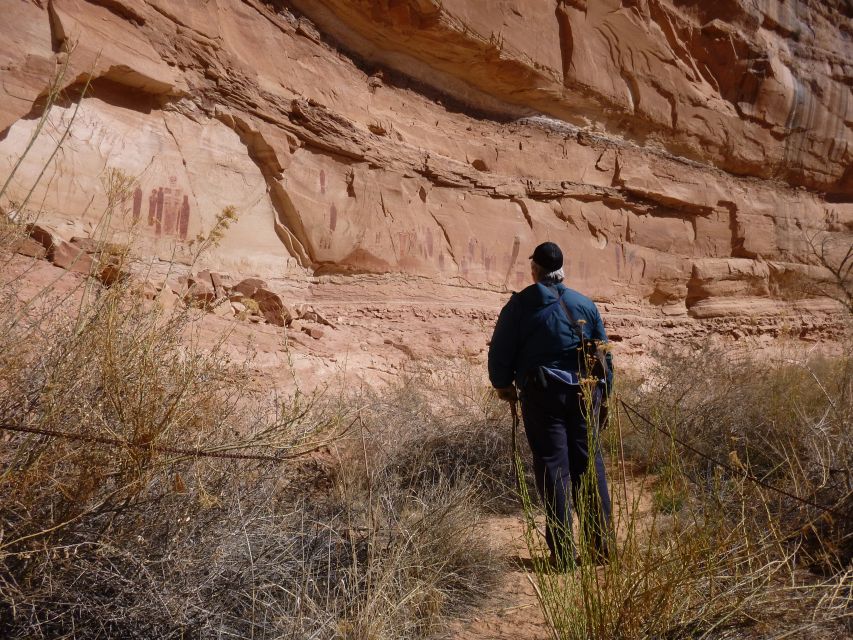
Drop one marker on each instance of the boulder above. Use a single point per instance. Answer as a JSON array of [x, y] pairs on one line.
[[310, 314], [248, 286], [89, 245], [272, 307], [44, 235], [223, 308], [99, 247], [314, 332], [270, 304], [72, 258], [29, 247], [219, 281], [200, 293], [167, 299]]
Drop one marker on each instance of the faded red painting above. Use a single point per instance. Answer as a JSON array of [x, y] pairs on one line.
[[168, 210]]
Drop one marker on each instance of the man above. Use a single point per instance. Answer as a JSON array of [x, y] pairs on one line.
[[537, 347]]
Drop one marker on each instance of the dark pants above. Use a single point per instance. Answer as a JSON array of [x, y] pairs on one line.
[[557, 429]]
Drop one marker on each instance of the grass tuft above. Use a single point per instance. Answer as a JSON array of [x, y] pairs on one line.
[[709, 553]]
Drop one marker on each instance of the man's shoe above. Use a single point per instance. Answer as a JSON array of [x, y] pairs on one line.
[[598, 558], [559, 566]]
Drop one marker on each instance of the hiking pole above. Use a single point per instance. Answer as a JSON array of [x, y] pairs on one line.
[[513, 406]]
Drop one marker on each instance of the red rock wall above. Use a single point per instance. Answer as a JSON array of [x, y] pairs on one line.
[[681, 151]]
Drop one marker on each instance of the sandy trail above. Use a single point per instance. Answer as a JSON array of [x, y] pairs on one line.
[[513, 610]]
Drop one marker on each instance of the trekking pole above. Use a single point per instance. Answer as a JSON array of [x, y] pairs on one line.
[[513, 406]]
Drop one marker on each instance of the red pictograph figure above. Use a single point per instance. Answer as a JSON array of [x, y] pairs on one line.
[[137, 204], [168, 210], [184, 220], [333, 215], [516, 245], [619, 259], [171, 207], [158, 218], [404, 242], [152, 207]]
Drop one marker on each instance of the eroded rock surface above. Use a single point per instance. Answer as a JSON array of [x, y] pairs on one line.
[[404, 157]]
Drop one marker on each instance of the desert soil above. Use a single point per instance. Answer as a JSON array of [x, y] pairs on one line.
[[513, 611]]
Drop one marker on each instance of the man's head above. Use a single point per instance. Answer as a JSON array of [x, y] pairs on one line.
[[546, 263]]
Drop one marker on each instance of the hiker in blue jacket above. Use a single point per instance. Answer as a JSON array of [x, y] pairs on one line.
[[536, 348]]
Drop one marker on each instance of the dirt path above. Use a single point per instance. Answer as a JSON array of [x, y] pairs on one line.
[[512, 611]]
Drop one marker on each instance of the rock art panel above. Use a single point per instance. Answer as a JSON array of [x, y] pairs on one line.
[[654, 140], [168, 210], [182, 173]]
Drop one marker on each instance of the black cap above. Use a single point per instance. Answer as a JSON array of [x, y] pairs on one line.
[[548, 256]]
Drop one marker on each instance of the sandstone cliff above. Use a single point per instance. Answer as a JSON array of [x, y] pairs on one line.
[[393, 157]]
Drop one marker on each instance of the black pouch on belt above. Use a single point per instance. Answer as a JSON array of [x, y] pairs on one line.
[[536, 378]]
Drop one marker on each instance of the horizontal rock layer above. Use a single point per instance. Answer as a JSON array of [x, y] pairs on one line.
[[683, 153]]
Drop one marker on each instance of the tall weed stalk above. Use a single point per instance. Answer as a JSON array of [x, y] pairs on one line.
[[107, 530], [702, 552]]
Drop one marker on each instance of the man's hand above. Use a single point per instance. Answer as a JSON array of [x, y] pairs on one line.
[[507, 393]]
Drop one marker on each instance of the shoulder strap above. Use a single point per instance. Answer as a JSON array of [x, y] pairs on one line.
[[601, 368], [568, 312]]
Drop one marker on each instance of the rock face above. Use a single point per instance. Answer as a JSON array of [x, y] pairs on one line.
[[755, 88], [682, 152]]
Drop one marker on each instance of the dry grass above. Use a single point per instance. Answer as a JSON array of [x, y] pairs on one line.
[[126, 541], [440, 421], [99, 540], [714, 555], [785, 421], [105, 533]]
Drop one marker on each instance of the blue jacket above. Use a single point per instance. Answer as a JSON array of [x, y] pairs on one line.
[[533, 330]]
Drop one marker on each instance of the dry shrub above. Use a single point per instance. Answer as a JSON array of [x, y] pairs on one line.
[[101, 531], [785, 420], [713, 554], [442, 422], [105, 534]]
